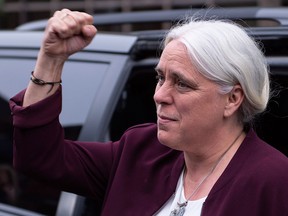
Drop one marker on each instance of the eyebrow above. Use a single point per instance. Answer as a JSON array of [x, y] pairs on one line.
[[174, 73], [193, 83], [158, 70], [178, 75]]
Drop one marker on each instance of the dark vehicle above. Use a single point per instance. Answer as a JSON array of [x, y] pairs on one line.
[[109, 86]]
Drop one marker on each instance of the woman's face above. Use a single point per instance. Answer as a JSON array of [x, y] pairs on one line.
[[189, 106]]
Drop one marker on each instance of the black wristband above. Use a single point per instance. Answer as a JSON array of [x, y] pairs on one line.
[[42, 82]]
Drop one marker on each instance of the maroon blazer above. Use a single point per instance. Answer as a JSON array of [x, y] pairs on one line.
[[137, 175]]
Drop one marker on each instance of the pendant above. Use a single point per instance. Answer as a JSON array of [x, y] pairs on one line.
[[173, 213], [180, 211]]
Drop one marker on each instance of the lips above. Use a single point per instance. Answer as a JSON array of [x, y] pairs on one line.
[[165, 118]]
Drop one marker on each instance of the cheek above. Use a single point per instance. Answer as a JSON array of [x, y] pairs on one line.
[[190, 106], [212, 108], [198, 108]]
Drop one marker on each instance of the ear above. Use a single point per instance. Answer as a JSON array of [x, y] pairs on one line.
[[234, 100]]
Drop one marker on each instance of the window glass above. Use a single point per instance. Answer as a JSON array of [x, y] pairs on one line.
[[136, 104], [80, 80]]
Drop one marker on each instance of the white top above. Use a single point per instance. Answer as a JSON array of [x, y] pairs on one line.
[[193, 208]]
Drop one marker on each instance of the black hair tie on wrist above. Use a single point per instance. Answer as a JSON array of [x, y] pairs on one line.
[[42, 82]]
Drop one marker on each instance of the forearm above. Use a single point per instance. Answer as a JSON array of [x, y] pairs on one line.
[[40, 149], [47, 69], [36, 131]]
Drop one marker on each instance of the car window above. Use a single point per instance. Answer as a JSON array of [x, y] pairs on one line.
[[81, 81], [76, 95], [136, 104]]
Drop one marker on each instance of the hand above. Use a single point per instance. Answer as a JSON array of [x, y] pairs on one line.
[[66, 33]]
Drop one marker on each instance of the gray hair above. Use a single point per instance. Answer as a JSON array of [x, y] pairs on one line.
[[223, 52]]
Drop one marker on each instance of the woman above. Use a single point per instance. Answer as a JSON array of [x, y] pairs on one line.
[[201, 158]]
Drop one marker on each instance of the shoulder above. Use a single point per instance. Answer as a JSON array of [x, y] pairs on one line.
[[260, 160], [145, 127], [143, 138], [141, 145], [255, 149], [257, 171], [141, 132]]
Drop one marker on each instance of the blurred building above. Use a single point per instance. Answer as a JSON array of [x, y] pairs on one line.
[[15, 12]]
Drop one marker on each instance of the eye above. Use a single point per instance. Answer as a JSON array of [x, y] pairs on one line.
[[160, 79], [182, 85]]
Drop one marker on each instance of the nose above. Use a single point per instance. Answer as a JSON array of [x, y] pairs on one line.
[[163, 94]]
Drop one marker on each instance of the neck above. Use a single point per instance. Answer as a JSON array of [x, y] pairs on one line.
[[218, 155], [211, 149]]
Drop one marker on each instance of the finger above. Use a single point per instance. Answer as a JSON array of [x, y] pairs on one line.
[[61, 13], [79, 18], [67, 23], [88, 32], [64, 16], [56, 25]]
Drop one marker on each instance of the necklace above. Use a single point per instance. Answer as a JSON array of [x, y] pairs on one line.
[[181, 207]]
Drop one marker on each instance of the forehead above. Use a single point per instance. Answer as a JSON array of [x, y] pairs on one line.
[[175, 50], [175, 58], [175, 61]]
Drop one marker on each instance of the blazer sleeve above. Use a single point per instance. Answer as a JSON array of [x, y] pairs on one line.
[[41, 150]]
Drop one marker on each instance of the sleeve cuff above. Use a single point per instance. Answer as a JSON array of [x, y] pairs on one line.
[[38, 114]]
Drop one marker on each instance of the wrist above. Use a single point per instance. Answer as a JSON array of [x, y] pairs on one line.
[[41, 82], [48, 67]]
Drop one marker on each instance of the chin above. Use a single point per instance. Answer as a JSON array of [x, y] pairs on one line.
[[166, 139]]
